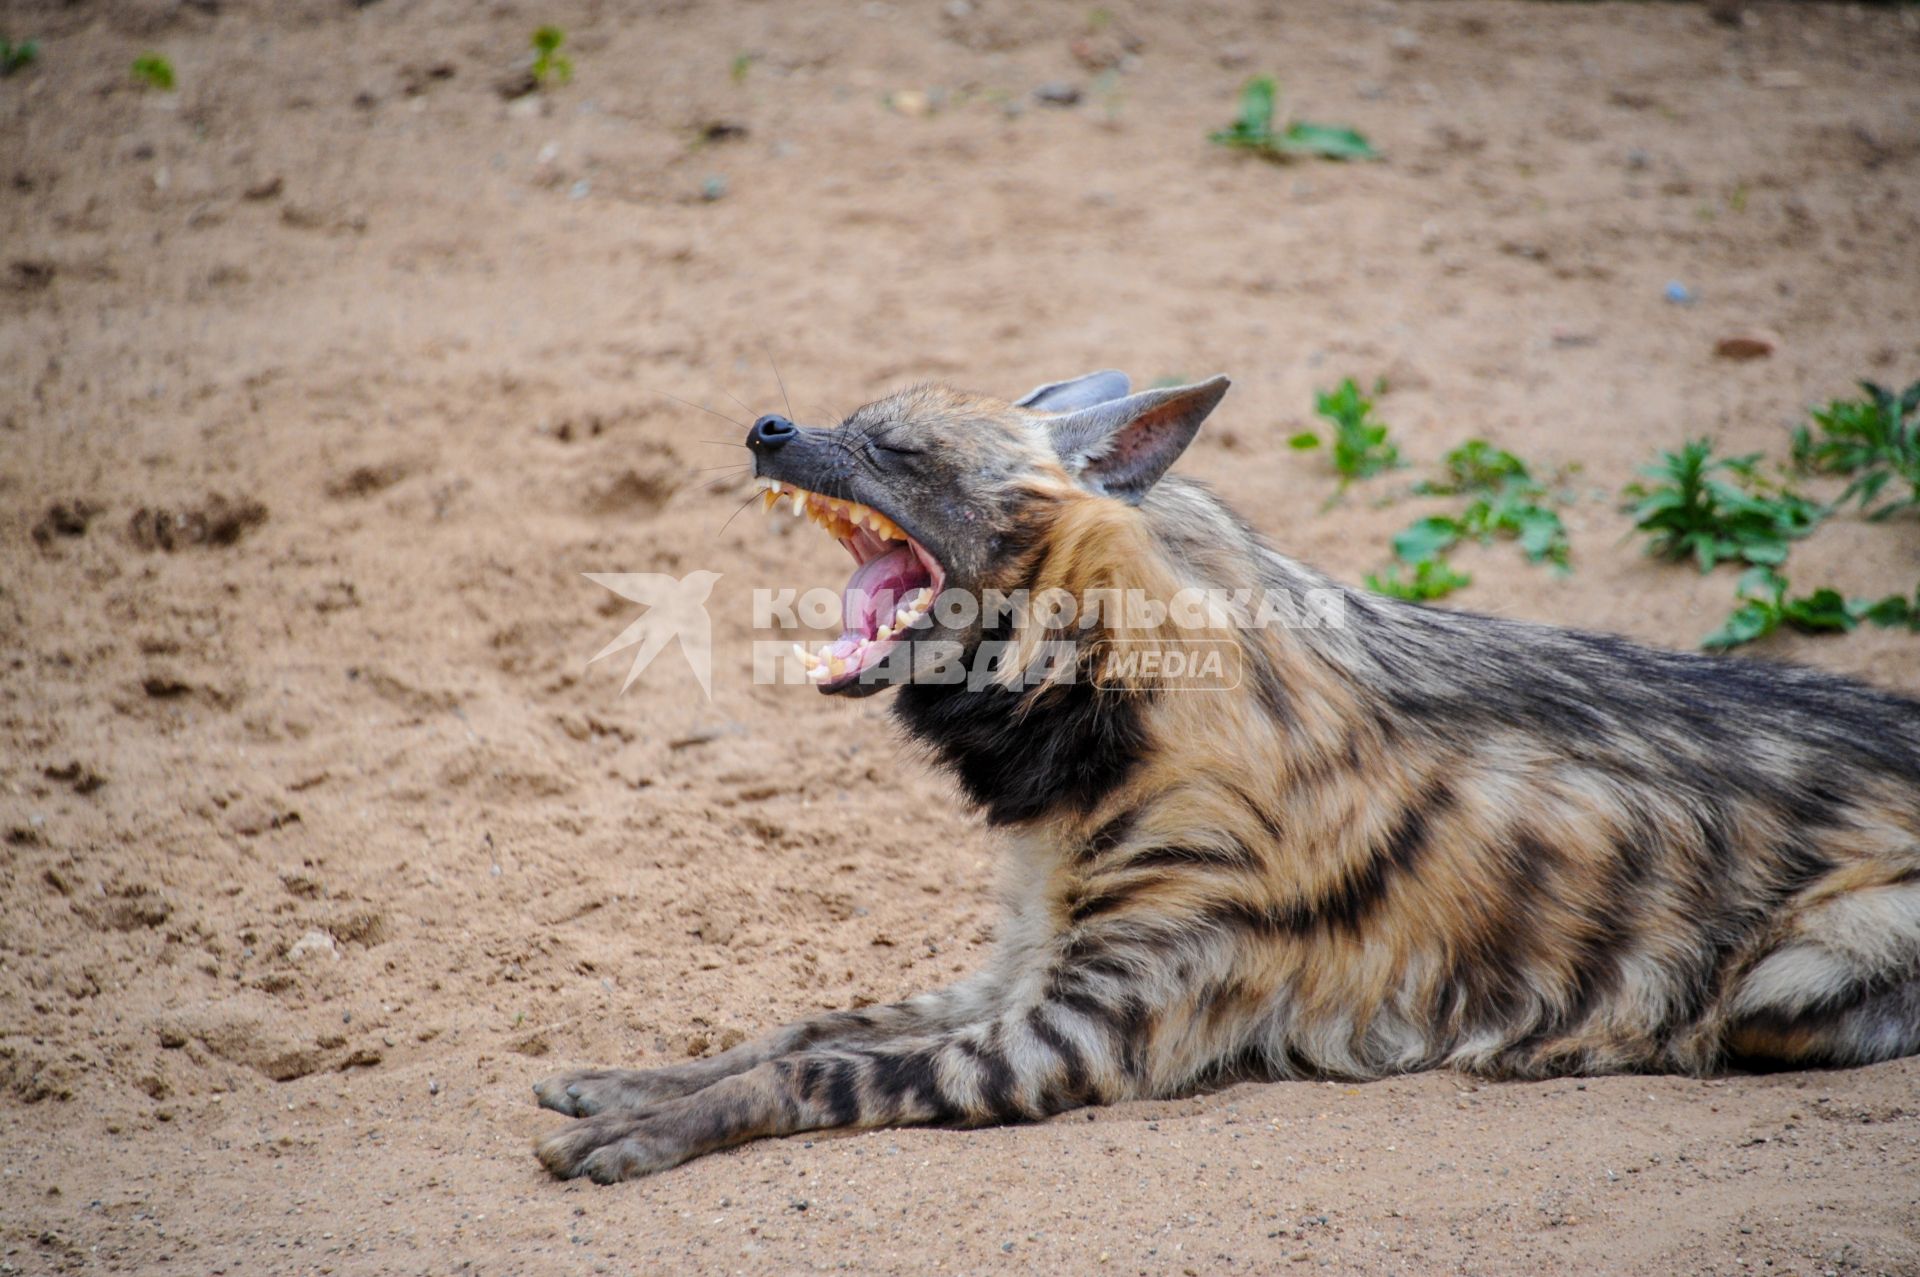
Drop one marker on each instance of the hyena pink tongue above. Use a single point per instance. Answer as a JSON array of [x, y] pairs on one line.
[[876, 588]]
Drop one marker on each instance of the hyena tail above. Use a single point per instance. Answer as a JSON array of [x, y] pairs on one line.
[[1843, 988]]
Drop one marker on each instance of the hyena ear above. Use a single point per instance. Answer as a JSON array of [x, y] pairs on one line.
[[1121, 448], [1081, 392]]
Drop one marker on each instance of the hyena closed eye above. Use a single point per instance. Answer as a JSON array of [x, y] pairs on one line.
[[1413, 839]]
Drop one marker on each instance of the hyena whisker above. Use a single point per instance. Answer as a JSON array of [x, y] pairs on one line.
[[736, 399], [1403, 838], [701, 407], [778, 379]]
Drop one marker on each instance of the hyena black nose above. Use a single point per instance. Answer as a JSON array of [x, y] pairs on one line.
[[770, 432]]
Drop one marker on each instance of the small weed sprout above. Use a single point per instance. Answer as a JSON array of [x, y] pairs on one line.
[[1718, 509], [549, 64], [1430, 579], [1763, 606], [17, 57], [1873, 440], [1254, 131], [1506, 504], [1359, 442], [154, 71]]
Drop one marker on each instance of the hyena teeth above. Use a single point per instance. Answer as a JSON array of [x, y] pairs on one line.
[[840, 519]]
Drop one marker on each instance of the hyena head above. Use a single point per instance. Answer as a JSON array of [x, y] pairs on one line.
[[947, 500]]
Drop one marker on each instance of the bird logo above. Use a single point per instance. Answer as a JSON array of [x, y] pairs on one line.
[[676, 608]]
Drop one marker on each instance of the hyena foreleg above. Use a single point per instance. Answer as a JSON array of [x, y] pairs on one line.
[[586, 1092], [1070, 1034]]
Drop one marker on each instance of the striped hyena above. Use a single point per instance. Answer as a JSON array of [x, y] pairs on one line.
[[1415, 838]]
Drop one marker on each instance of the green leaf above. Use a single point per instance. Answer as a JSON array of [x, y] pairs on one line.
[[154, 71], [1541, 533], [1893, 610], [1748, 622], [1693, 511], [1430, 580], [1426, 540], [1360, 446], [1253, 130], [1304, 440], [1824, 609], [1326, 140], [1256, 106], [14, 57]]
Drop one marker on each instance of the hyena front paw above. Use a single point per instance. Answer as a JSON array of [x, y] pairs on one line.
[[585, 1092], [608, 1149]]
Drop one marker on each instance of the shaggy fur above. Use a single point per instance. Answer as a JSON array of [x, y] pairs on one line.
[[1419, 838]]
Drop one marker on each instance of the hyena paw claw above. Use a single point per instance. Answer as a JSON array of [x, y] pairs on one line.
[[605, 1150], [585, 1092]]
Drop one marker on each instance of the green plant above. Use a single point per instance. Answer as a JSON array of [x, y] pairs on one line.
[[1718, 509], [1475, 466], [1875, 439], [15, 57], [1432, 578], [1763, 606], [1359, 442], [154, 71], [742, 64], [1506, 505], [548, 62], [1254, 130]]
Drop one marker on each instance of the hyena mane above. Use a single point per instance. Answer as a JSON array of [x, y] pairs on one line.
[[1396, 838]]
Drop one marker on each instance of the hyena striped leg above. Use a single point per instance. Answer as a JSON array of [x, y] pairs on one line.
[[585, 1092], [1086, 1035], [1865, 1029]]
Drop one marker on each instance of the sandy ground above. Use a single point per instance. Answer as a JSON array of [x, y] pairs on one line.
[[320, 839]]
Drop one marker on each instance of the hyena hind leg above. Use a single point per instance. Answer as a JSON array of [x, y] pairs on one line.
[[1880, 1026], [1843, 989]]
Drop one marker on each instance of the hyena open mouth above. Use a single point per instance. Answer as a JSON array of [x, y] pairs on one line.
[[894, 582]]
